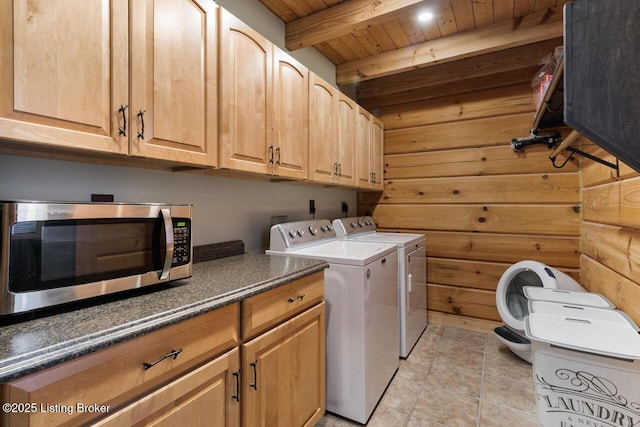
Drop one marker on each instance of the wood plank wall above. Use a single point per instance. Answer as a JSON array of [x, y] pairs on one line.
[[610, 260], [451, 175]]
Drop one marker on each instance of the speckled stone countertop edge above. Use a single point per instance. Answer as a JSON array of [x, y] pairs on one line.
[[32, 362]]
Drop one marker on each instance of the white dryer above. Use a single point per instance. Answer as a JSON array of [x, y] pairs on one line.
[[362, 312], [412, 274]]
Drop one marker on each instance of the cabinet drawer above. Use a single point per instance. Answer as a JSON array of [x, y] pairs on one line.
[[267, 309], [117, 374], [206, 396]]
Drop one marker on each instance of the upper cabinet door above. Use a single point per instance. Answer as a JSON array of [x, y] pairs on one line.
[[377, 154], [289, 127], [245, 88], [363, 148], [174, 80], [64, 73], [346, 141], [323, 130]]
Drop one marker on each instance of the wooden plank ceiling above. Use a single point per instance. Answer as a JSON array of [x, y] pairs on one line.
[[391, 57]]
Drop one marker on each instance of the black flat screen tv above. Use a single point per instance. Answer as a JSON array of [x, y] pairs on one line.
[[602, 74]]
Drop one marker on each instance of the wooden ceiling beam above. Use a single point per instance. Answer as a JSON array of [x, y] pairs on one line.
[[478, 66], [520, 31], [472, 84], [340, 20]]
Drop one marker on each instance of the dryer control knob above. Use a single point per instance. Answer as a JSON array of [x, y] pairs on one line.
[[353, 225], [300, 233], [312, 230], [292, 233]]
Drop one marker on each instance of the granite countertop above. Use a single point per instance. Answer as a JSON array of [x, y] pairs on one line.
[[39, 343]]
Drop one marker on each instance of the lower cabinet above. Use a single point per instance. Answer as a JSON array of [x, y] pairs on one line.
[[283, 381], [124, 375], [198, 372]]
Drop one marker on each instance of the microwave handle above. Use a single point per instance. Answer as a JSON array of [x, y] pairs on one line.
[[168, 232]]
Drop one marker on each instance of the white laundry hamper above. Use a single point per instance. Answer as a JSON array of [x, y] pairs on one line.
[[586, 366]]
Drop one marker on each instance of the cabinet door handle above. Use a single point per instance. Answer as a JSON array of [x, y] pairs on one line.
[[172, 353], [123, 130], [271, 154], [299, 297], [141, 115], [278, 156], [339, 169], [236, 396], [335, 168], [254, 385]]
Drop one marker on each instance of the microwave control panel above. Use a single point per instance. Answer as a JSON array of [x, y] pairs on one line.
[[181, 241]]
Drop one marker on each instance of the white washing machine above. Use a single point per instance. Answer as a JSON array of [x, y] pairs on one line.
[[362, 312], [412, 274], [513, 305]]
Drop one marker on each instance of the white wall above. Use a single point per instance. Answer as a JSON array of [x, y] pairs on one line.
[[224, 209]]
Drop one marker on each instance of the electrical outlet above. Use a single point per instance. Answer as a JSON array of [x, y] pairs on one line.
[[312, 207]]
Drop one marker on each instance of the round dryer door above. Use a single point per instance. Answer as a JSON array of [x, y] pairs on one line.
[[510, 299]]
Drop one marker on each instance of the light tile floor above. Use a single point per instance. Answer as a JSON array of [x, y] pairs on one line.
[[455, 378]]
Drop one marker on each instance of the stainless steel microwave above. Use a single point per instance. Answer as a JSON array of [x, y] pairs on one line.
[[53, 253]]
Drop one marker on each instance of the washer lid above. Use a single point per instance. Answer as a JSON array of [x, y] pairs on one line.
[[569, 297], [400, 239], [613, 339], [345, 252]]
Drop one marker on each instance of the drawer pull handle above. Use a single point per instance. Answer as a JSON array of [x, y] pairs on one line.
[[254, 385], [236, 396], [172, 353], [299, 297]]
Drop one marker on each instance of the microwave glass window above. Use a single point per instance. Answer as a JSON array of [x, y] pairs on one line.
[[55, 254]]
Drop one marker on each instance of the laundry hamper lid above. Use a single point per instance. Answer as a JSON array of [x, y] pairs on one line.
[[613, 339], [589, 299], [572, 310]]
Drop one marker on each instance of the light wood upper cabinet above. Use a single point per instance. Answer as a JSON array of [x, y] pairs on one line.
[[331, 134], [263, 104], [64, 73], [289, 130], [67, 73], [346, 140], [245, 88], [323, 130], [369, 140], [377, 153], [363, 147], [174, 95]]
